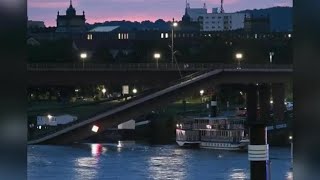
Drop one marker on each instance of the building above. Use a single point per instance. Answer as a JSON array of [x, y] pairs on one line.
[[260, 24], [55, 120], [71, 22], [216, 21], [35, 24]]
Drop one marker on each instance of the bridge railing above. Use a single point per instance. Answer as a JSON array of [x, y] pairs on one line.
[[146, 66]]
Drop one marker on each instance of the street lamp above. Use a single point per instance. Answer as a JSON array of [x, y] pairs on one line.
[[157, 56], [239, 57], [104, 91], [271, 54], [174, 24], [201, 92], [83, 56], [134, 91], [291, 143]]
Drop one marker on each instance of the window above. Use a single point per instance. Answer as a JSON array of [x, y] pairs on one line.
[[119, 36], [167, 35], [89, 36], [162, 35]]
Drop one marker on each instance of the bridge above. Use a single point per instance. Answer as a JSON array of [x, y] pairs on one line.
[[120, 74], [157, 97]]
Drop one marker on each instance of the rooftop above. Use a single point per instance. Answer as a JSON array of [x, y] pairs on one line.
[[104, 28]]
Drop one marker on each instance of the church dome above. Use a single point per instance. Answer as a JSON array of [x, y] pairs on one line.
[[71, 11]]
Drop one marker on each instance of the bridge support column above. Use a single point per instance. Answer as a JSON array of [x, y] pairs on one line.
[[213, 105], [264, 102], [278, 95], [184, 104], [258, 152]]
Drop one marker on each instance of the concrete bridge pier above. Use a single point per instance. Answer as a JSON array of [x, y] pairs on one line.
[[258, 150], [214, 104], [264, 102], [278, 95]]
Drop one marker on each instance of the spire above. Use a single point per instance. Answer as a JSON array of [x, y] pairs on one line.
[[204, 6], [70, 2], [221, 8]]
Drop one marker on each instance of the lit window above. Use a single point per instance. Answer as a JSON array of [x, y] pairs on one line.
[[162, 35], [89, 36], [119, 36], [167, 35], [127, 35], [256, 36]]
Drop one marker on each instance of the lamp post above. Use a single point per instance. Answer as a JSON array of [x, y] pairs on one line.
[[271, 54], [104, 91], [291, 151], [174, 24], [201, 94], [83, 56], [157, 56], [239, 57]]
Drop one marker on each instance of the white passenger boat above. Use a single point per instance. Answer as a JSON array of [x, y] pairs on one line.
[[223, 133]]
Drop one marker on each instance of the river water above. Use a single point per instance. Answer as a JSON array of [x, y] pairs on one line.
[[141, 161]]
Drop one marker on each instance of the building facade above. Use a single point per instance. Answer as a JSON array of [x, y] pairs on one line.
[[216, 21], [71, 22]]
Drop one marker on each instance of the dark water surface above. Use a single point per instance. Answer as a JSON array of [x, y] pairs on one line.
[[138, 161]]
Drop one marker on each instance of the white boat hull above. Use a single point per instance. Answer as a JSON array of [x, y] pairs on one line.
[[213, 145]]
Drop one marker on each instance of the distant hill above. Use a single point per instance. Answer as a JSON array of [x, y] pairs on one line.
[[280, 17]]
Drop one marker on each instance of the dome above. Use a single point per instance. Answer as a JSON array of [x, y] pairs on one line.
[[71, 11]]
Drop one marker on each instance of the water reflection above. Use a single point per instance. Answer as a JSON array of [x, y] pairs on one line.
[[86, 168], [289, 175], [97, 149], [168, 164], [238, 174]]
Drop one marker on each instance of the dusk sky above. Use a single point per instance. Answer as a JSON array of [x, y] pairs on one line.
[[136, 10]]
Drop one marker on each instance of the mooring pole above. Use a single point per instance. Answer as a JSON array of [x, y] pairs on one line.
[[258, 150]]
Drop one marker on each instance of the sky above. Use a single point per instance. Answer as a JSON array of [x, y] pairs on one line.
[[136, 10]]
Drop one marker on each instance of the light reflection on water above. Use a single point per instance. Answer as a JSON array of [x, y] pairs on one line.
[[166, 167], [238, 174], [86, 168], [134, 161]]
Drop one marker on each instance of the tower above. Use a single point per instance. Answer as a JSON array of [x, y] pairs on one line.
[[221, 8]]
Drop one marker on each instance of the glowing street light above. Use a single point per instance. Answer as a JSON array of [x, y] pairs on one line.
[[239, 57], [83, 56], [104, 91], [201, 92], [157, 56], [134, 91], [49, 116]]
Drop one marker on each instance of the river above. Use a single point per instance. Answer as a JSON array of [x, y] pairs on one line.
[[142, 161]]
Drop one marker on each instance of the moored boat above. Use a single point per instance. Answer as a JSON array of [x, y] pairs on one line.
[[223, 133]]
